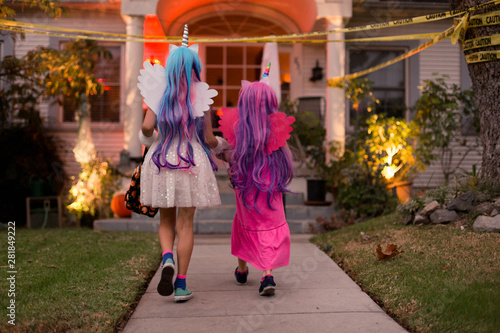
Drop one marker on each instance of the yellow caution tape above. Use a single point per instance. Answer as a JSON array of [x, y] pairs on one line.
[[86, 37], [290, 41], [479, 42], [482, 56], [18, 24], [460, 29], [337, 81], [485, 19], [407, 21]]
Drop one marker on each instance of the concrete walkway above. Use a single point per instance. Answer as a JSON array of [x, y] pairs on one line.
[[313, 295]]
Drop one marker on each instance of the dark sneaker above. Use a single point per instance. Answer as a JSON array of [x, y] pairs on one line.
[[182, 295], [267, 286], [166, 284], [241, 278]]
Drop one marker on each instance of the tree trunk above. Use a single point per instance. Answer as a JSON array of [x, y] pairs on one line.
[[84, 150], [485, 77]]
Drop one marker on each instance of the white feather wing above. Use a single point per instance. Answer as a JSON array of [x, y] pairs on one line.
[[203, 98], [152, 84]]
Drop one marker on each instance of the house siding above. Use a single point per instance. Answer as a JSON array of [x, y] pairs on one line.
[[433, 175], [108, 139], [311, 54], [22, 47], [108, 144]]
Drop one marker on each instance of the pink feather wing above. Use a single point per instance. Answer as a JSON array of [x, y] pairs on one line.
[[281, 129], [227, 122]]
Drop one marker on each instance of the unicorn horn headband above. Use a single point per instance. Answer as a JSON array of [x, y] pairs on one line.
[[266, 72], [185, 36]]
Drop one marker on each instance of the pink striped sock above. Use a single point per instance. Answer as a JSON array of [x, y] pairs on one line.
[[166, 253], [181, 276]]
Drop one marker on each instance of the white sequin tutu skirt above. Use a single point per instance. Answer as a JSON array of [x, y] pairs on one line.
[[166, 188]]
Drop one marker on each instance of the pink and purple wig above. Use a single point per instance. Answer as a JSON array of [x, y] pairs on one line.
[[252, 167], [176, 117]]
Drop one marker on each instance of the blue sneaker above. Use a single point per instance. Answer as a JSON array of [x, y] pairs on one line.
[[241, 278], [166, 284], [182, 295], [267, 286]]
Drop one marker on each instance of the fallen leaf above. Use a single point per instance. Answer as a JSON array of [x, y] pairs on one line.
[[446, 267], [390, 251]]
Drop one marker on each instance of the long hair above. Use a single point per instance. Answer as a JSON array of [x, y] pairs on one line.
[[252, 167], [176, 118]]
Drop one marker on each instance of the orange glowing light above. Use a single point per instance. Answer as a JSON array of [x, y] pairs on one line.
[[107, 88], [154, 61], [219, 112]]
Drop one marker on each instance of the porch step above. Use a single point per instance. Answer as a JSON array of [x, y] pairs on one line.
[[219, 219]]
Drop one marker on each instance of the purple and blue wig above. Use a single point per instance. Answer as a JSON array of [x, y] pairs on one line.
[[176, 117], [253, 169]]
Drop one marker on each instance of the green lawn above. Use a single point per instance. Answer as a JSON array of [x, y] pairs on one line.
[[76, 279], [446, 280]]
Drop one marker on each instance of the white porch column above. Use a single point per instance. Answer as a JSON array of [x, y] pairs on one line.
[[335, 66], [133, 115]]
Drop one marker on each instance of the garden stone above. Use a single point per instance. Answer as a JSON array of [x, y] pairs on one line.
[[497, 203], [420, 219], [463, 202], [428, 200], [484, 208], [443, 216], [408, 219], [486, 223], [430, 208], [494, 212], [481, 197]]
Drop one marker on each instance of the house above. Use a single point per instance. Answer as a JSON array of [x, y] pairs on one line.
[[117, 116]]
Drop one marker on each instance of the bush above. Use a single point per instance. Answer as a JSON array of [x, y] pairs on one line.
[[92, 192], [364, 193], [31, 167]]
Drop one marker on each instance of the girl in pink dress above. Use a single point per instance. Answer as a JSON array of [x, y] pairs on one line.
[[260, 169]]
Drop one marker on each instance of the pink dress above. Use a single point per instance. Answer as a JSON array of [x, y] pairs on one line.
[[261, 239]]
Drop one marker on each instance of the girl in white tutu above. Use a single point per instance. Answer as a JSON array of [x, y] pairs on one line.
[[177, 174]]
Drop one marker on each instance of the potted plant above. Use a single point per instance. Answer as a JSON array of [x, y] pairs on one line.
[[390, 141]]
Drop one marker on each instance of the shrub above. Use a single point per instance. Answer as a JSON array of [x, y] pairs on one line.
[[364, 192], [92, 192]]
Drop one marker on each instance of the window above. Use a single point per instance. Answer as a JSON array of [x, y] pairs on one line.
[[105, 108], [226, 66], [389, 83]]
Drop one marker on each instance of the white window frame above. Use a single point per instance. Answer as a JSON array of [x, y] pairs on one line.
[[349, 127], [101, 125], [245, 66], [222, 88]]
